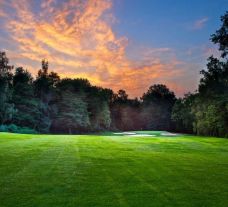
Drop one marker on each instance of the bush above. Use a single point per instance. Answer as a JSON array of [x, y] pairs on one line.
[[17, 129], [26, 130], [3, 128], [12, 128]]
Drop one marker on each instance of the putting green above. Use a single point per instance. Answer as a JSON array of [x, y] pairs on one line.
[[107, 171]]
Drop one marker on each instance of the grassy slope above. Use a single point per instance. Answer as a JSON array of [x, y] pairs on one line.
[[84, 171]]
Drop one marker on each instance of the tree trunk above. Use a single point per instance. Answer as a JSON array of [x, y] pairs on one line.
[[70, 131]]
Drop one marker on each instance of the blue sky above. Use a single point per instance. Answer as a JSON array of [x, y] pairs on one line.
[[128, 44], [168, 23]]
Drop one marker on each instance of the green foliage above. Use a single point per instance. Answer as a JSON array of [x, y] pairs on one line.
[[72, 113], [157, 107], [98, 108], [45, 92], [221, 36], [16, 129], [211, 104], [182, 114], [27, 110], [214, 80], [206, 111], [103, 117], [125, 112], [6, 107], [100, 116], [211, 118]]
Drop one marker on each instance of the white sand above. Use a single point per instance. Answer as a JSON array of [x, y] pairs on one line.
[[125, 133], [168, 134], [142, 135]]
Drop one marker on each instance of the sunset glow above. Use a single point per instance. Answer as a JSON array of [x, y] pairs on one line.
[[84, 39]]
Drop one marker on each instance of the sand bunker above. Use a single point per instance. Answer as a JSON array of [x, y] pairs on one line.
[[133, 134], [125, 133], [142, 135], [168, 134]]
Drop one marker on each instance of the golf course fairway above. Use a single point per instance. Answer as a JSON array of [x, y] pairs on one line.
[[107, 170]]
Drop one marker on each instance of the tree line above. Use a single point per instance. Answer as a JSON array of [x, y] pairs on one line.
[[49, 104]]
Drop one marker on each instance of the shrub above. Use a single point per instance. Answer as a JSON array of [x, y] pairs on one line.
[[17, 129]]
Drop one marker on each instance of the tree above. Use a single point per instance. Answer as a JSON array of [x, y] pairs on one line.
[[103, 117], [98, 107], [5, 68], [211, 117], [221, 36], [182, 114], [45, 90], [72, 114], [210, 107], [27, 106], [125, 112], [122, 96], [6, 106], [157, 107], [214, 80]]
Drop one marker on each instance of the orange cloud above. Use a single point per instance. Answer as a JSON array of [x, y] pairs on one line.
[[78, 40]]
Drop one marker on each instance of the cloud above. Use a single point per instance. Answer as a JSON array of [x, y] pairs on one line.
[[78, 40], [200, 23], [2, 12]]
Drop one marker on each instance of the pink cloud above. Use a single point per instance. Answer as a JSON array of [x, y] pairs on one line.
[[200, 23]]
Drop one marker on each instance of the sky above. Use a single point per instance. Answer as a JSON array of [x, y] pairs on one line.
[[118, 44]]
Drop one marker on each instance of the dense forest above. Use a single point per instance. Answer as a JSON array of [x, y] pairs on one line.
[[49, 104]]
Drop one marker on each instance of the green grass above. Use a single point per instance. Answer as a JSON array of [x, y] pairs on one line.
[[106, 171]]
